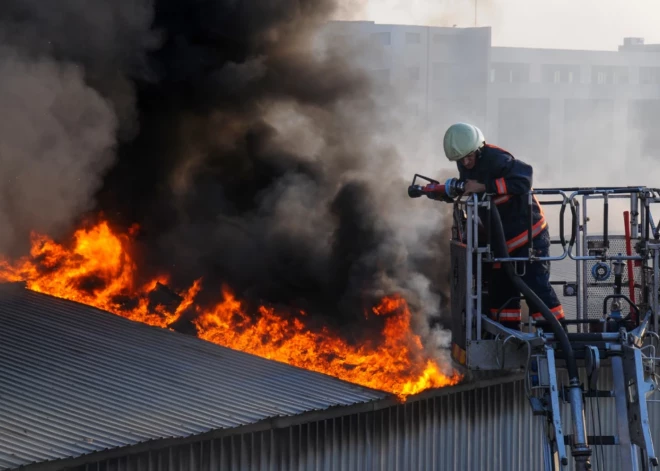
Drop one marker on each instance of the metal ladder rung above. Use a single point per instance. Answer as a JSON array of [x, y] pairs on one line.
[[605, 393], [599, 393], [595, 440]]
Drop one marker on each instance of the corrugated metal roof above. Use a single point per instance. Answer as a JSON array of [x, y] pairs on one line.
[[76, 380]]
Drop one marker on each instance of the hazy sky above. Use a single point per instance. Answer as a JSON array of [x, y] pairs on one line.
[[576, 24]]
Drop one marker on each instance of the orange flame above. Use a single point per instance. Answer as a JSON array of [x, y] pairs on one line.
[[98, 271]]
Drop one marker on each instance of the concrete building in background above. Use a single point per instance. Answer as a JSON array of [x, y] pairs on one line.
[[443, 72], [549, 105], [558, 104]]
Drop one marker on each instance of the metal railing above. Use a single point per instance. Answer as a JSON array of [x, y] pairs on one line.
[[579, 246]]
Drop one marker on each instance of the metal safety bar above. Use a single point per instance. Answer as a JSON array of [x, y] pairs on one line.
[[574, 247], [541, 353]]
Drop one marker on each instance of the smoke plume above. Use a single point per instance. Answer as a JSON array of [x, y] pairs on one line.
[[66, 98], [248, 149]]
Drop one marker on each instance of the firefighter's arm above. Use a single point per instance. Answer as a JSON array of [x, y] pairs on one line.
[[471, 186], [509, 176]]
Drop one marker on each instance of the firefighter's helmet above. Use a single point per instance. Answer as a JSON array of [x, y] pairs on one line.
[[462, 139]]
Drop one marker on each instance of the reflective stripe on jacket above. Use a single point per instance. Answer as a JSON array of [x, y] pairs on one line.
[[510, 180]]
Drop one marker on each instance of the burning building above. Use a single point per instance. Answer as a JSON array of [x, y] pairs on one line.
[[214, 173], [83, 389], [204, 169], [98, 270], [243, 157], [211, 170]]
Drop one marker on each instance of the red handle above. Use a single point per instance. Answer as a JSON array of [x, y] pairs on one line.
[[434, 188]]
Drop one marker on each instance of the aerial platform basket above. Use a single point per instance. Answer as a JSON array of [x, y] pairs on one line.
[[609, 284]]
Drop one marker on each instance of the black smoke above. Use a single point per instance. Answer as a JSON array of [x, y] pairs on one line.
[[248, 152], [67, 93]]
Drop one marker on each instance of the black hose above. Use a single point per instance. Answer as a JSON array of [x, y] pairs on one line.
[[499, 247], [606, 217], [562, 211], [574, 223], [530, 231], [562, 237]]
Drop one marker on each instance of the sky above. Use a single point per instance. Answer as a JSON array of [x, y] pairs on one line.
[[565, 24]]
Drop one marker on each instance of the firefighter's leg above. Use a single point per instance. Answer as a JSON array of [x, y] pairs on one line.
[[537, 277], [504, 299]]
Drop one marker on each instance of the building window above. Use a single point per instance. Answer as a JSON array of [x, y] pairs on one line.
[[447, 75], [559, 73], [649, 75], [384, 39], [620, 76], [446, 42], [609, 75], [413, 38], [502, 72]]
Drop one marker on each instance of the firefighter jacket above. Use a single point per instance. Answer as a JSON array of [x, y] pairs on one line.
[[509, 180]]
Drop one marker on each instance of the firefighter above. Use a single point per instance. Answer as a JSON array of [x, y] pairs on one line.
[[488, 168]]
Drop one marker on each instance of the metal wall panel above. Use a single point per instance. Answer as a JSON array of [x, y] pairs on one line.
[[486, 429], [75, 380]]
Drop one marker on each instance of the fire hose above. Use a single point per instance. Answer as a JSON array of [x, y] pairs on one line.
[[581, 450], [631, 276], [500, 250], [454, 187]]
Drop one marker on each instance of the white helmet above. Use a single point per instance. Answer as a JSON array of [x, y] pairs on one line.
[[461, 139]]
